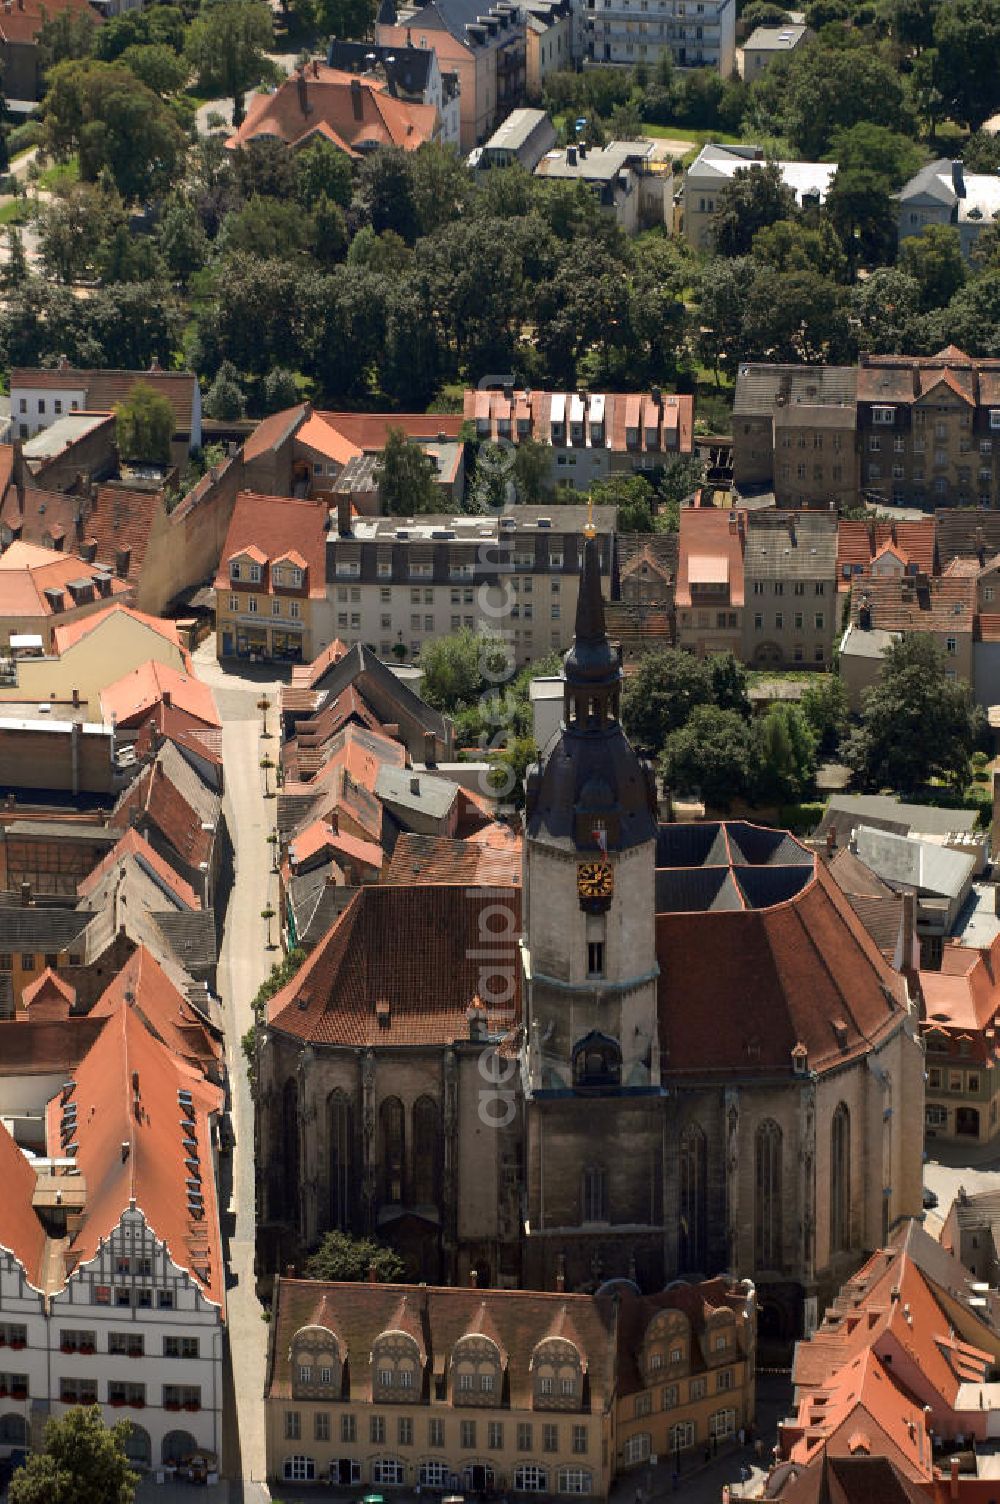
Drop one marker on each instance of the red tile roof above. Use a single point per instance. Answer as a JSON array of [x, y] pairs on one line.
[[132, 843], [48, 996], [270, 432], [423, 988], [144, 987], [859, 542], [802, 970], [718, 538], [437, 1318], [22, 23], [436, 859], [353, 113], [66, 636], [319, 838], [129, 701], [21, 1233], [946, 603], [273, 524], [367, 432], [45, 1047], [104, 389], [27, 572], [152, 1174], [120, 520]]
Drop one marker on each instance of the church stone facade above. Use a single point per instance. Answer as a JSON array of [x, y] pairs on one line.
[[699, 1063]]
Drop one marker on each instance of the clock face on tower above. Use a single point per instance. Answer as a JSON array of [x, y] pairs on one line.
[[595, 882]]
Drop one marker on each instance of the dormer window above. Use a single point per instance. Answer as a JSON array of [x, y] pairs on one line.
[[883, 414], [234, 571], [255, 574], [295, 577]]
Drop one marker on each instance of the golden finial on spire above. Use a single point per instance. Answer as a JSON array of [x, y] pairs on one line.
[[589, 530]]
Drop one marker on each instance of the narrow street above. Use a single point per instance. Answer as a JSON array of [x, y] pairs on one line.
[[243, 963]]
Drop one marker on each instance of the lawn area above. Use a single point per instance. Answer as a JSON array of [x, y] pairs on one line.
[[59, 175], [14, 213], [684, 133]]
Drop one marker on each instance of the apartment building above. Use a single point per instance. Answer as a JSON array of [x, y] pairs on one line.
[[790, 589], [696, 33], [961, 1004], [485, 46], [794, 433], [395, 583], [943, 193], [942, 606], [710, 594], [500, 1390], [411, 74], [591, 434], [270, 589], [41, 590], [929, 429], [716, 166]]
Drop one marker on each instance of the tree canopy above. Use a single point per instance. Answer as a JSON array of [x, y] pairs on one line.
[[112, 121], [144, 425], [343, 1258], [82, 1461], [406, 477]]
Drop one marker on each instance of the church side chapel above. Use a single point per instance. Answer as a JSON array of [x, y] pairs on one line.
[[706, 1064]]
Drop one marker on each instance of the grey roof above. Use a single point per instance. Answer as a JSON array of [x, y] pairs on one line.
[[421, 792], [783, 547], [358, 474], [935, 181], [517, 130], [407, 69], [978, 1210], [775, 38], [905, 861], [453, 16], [193, 788], [925, 819], [42, 929], [963, 531], [64, 830], [191, 935], [881, 917], [759, 387], [872, 644], [315, 903], [359, 664], [940, 1267], [597, 164]]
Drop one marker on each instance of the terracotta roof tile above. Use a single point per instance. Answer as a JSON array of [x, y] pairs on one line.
[[129, 700], [119, 519], [144, 987], [48, 996], [132, 843], [67, 636], [104, 389], [27, 572], [47, 1047], [708, 534], [273, 524], [271, 432], [21, 1233], [153, 1173], [356, 113], [944, 604], [436, 859], [427, 984]]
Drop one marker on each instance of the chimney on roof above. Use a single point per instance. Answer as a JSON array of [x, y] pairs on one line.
[[831, 840], [958, 178], [315, 67], [571, 156], [344, 516], [25, 895], [414, 785], [430, 749], [123, 557], [357, 103], [154, 366], [166, 697], [865, 615], [373, 1273], [303, 92], [125, 1150], [76, 697], [63, 364]]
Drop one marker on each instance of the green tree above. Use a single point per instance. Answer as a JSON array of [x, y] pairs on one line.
[[532, 472], [114, 122], [343, 1258], [824, 705], [632, 495], [330, 234], [830, 88], [65, 36], [266, 227], [181, 238], [886, 306], [406, 477], [786, 745], [934, 260], [861, 210], [70, 226], [967, 43], [441, 185], [876, 148], [225, 399], [82, 1461], [158, 66], [790, 245], [713, 755], [281, 389], [144, 425], [142, 28], [15, 270], [460, 669], [322, 170], [227, 45], [661, 695], [721, 291], [385, 194], [762, 13], [972, 318], [981, 153], [728, 679], [756, 196], [916, 724]]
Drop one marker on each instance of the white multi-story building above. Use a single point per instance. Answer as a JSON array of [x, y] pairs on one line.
[[112, 1285], [696, 33], [395, 581]]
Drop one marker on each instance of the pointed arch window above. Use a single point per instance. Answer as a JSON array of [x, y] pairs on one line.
[[340, 1126], [840, 1180], [426, 1152], [693, 1205], [393, 1134], [767, 1207]]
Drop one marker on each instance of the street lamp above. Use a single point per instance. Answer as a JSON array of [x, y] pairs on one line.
[[264, 705], [267, 914], [266, 763]]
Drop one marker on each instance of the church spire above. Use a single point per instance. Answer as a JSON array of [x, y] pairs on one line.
[[591, 669], [590, 626]]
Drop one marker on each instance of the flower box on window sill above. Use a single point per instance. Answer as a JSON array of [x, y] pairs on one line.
[[3, 1340], [67, 1347], [19, 1392], [18, 1345], [171, 1404], [117, 1402], [134, 1353], [192, 1405], [88, 1349], [138, 1404]]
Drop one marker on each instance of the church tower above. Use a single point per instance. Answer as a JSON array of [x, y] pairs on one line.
[[590, 1060]]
